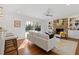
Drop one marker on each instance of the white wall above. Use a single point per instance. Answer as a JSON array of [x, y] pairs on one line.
[[12, 12], [43, 23], [7, 22]]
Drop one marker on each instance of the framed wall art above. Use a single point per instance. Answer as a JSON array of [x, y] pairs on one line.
[[17, 23], [1, 11]]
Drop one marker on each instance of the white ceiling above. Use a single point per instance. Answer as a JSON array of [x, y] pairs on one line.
[[38, 10]]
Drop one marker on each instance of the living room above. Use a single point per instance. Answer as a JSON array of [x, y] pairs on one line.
[[49, 29]]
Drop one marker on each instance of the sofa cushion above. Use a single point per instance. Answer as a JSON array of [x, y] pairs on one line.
[[39, 34]]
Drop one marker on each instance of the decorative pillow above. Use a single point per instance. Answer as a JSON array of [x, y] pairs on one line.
[[57, 37]]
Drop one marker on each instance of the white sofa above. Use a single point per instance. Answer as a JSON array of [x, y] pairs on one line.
[[42, 40], [59, 46], [73, 34]]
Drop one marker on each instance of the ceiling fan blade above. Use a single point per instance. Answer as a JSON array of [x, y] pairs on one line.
[[49, 13]]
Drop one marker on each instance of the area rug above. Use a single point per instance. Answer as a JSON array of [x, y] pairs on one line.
[[66, 47]]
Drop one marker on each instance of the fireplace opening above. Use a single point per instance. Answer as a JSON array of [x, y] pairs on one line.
[[58, 30]]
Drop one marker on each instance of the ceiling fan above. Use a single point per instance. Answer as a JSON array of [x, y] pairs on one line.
[[49, 13]]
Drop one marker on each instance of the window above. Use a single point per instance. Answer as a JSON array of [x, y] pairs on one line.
[[32, 26], [29, 26]]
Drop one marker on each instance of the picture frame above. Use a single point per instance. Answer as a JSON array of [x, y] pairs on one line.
[[17, 23], [1, 11]]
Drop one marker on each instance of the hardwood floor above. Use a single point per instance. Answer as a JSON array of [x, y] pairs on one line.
[[25, 47]]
